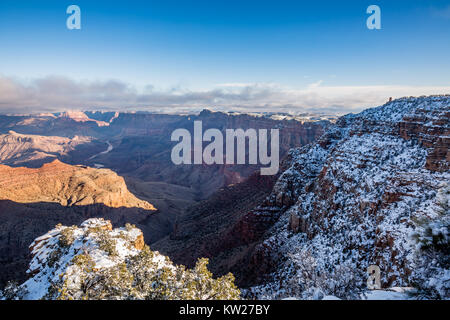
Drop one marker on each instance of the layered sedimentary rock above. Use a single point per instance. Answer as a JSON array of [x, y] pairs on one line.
[[140, 143], [221, 228], [34, 200], [354, 198], [363, 195], [67, 185], [33, 150], [144, 148], [79, 116]]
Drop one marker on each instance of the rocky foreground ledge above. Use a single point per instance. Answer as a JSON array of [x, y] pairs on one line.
[[95, 261]]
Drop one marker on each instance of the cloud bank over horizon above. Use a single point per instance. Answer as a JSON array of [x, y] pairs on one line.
[[58, 93]]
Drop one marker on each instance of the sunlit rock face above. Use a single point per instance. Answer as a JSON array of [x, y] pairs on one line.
[[34, 200], [67, 185]]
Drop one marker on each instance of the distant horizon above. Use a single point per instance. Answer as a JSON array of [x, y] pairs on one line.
[[179, 112], [195, 111]]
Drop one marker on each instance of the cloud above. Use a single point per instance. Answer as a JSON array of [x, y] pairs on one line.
[[54, 93], [315, 85]]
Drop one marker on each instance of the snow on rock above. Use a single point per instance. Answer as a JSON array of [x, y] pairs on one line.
[[330, 298], [95, 261], [372, 191], [395, 293]]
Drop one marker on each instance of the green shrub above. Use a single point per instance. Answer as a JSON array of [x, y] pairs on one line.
[[67, 237]]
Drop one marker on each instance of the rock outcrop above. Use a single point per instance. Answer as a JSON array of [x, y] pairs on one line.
[[356, 198], [33, 150], [34, 200], [142, 143], [93, 261], [67, 185], [223, 228], [79, 116]]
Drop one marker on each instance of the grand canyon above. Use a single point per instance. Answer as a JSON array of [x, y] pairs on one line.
[[363, 189]]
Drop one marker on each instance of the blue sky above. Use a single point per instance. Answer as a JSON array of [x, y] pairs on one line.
[[151, 50]]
